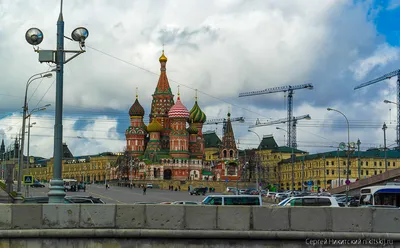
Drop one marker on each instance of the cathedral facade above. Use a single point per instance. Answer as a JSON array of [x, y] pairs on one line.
[[171, 146]]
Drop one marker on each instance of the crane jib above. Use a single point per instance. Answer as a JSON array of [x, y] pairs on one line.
[[277, 89], [376, 80]]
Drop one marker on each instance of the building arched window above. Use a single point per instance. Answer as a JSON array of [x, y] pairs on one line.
[[231, 153], [224, 153]]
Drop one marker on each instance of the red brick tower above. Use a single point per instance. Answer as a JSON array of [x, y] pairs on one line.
[[163, 100]]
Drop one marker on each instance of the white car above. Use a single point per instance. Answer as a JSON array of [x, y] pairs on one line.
[[149, 186], [312, 201]]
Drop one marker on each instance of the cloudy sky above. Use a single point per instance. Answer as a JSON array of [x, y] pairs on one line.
[[221, 48]]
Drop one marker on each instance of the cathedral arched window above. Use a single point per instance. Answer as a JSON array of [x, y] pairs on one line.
[[231, 153], [224, 153]]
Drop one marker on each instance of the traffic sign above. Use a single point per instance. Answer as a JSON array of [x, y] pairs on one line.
[[348, 182], [226, 180], [309, 183], [342, 145], [28, 179]]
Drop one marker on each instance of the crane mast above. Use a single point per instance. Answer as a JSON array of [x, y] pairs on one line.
[[290, 124], [384, 77]]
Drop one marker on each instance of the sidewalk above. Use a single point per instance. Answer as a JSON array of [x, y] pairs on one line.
[[4, 197]]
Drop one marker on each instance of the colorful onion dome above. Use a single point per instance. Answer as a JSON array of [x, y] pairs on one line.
[[154, 126], [163, 58], [178, 110], [196, 115], [136, 109], [192, 129]]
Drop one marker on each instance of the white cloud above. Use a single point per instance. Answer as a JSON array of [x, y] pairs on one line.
[[383, 55], [98, 136]]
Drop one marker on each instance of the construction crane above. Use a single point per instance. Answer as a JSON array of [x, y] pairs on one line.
[[223, 121], [290, 90], [384, 77], [284, 120]]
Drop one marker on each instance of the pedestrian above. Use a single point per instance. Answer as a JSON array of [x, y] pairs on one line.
[[144, 190], [106, 186], [179, 188]]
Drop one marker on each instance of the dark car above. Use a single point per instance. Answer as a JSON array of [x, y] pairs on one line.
[[37, 185], [40, 200], [79, 199], [198, 191]]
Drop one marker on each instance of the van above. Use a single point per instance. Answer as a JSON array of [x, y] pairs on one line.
[[312, 201], [227, 200]]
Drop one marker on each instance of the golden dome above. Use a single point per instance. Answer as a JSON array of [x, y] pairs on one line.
[[163, 58]]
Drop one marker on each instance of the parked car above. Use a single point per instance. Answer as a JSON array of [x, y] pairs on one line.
[[40, 200], [79, 199], [271, 195], [281, 196], [249, 191], [312, 201], [37, 185], [230, 189], [149, 186], [198, 191]]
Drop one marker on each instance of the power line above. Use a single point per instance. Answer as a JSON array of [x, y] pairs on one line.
[[171, 80]]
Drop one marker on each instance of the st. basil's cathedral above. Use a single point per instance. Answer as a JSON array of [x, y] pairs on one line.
[[166, 148]]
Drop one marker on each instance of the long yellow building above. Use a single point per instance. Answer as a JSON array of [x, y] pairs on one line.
[[328, 170], [93, 168]]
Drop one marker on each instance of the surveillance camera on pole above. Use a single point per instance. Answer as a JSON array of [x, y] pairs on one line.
[[34, 36]]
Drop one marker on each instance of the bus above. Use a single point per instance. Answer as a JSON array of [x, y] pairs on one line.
[[381, 195], [70, 184]]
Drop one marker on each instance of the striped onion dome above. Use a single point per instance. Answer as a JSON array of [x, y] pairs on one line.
[[136, 109], [178, 110], [196, 115], [192, 129], [154, 126]]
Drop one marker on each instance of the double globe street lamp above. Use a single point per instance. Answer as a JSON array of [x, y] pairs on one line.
[[34, 36]]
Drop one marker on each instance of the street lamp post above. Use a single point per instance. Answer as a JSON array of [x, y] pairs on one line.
[[29, 128], [384, 145], [259, 160], [359, 159], [34, 37], [46, 74], [348, 151], [292, 159], [396, 103]]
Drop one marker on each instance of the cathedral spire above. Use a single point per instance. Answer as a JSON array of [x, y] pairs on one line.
[[163, 84]]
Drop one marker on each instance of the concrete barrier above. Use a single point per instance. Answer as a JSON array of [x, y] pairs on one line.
[[189, 217], [114, 222]]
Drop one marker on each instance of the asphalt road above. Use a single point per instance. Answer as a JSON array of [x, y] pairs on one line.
[[124, 195]]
